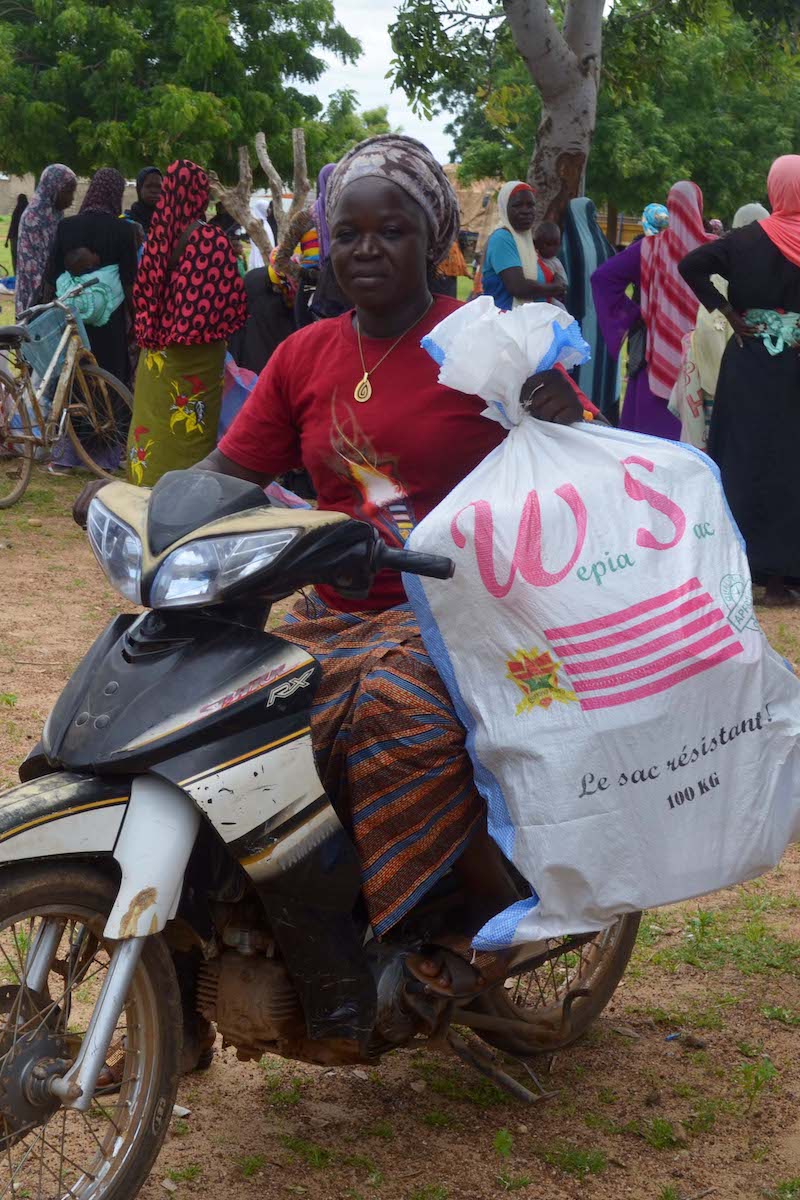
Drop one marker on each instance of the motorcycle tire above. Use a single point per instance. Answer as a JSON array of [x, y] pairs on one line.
[[107, 1153], [531, 1005]]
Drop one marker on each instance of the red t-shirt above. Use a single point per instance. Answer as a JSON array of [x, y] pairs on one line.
[[389, 461]]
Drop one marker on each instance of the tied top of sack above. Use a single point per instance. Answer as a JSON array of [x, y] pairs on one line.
[[489, 353]]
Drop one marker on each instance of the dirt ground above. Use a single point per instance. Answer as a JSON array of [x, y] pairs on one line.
[[638, 1115]]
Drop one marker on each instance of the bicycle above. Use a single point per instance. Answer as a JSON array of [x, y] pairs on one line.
[[88, 406]]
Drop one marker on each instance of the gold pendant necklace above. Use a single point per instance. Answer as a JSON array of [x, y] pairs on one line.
[[363, 389]]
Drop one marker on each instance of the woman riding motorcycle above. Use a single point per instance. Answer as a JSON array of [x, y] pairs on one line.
[[355, 401]]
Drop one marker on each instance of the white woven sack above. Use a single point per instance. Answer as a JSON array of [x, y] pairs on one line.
[[632, 731]]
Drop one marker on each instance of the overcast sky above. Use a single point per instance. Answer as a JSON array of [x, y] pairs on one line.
[[368, 20]]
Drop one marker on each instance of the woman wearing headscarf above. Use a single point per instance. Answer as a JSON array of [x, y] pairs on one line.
[[511, 273], [666, 308], [37, 230], [655, 219], [189, 299], [13, 229], [96, 243], [356, 401], [755, 426], [148, 189], [692, 397], [584, 248]]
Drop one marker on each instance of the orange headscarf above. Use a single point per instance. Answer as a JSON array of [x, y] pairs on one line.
[[783, 187]]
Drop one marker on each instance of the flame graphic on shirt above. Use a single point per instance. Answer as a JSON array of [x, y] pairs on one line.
[[380, 498]]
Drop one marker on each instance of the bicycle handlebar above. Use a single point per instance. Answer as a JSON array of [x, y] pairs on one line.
[[35, 309], [434, 566]]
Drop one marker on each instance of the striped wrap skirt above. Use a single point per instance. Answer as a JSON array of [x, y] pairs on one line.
[[390, 751]]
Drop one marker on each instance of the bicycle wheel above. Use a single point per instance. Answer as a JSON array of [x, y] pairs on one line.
[[98, 417], [16, 442]]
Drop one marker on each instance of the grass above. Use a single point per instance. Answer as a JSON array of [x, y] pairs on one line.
[[439, 1120], [754, 1078], [788, 1190], [281, 1097], [310, 1153], [381, 1129], [783, 1016], [457, 1086], [711, 941], [186, 1174], [572, 1160], [251, 1164], [430, 1191]]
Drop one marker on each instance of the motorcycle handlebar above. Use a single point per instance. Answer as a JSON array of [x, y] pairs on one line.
[[432, 565]]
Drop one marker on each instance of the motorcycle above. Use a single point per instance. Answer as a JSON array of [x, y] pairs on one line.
[[170, 859]]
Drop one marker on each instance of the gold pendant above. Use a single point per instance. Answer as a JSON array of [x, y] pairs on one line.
[[363, 390]]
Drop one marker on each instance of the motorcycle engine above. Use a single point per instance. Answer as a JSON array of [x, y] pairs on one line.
[[252, 1000]]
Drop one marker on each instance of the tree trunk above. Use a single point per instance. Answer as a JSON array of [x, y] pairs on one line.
[[565, 67]]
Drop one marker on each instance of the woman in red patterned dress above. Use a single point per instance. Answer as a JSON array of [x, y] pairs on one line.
[[189, 299]]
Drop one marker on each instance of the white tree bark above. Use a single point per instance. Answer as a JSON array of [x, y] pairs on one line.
[[565, 67], [237, 199]]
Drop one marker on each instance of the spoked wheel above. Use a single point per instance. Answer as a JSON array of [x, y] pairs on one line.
[[98, 418], [549, 1007], [48, 1152], [16, 442]]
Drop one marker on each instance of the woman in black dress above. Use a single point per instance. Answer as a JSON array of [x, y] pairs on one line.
[[97, 237], [755, 427]]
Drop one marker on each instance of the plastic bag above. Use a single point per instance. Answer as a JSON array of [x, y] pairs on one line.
[[633, 734]]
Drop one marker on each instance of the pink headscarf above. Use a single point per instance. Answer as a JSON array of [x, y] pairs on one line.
[[783, 187], [669, 306]]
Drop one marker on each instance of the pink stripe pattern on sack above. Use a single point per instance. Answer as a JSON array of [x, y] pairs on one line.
[[645, 648]]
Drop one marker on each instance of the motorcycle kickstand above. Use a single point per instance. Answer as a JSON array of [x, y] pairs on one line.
[[485, 1062]]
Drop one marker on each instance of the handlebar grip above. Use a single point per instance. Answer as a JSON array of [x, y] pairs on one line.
[[434, 566]]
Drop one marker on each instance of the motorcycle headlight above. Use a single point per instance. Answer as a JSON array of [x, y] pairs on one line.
[[117, 549], [202, 571]]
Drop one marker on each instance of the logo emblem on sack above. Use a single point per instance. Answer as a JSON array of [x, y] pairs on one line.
[[536, 675]]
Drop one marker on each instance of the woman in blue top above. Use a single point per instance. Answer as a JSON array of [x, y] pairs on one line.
[[512, 274]]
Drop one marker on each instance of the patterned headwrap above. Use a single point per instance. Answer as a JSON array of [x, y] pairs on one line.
[[199, 298], [655, 218], [105, 192], [407, 163]]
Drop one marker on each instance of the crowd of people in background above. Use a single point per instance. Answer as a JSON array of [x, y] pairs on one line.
[[693, 330]]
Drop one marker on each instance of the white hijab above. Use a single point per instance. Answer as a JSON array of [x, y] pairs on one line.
[[749, 213], [528, 257]]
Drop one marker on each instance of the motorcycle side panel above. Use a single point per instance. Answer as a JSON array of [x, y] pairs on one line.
[[61, 815], [167, 684]]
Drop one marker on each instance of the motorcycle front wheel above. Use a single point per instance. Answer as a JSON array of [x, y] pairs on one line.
[[46, 1150], [550, 1007]]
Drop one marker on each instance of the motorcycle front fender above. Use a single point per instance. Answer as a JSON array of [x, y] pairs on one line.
[[149, 826], [62, 815]]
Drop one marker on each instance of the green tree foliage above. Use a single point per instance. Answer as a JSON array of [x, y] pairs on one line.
[[714, 102], [97, 82], [341, 127]]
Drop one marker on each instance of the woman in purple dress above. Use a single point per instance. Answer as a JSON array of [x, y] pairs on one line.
[[656, 319]]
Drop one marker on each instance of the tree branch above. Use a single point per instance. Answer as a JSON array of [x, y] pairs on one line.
[[237, 202], [275, 184], [301, 185], [551, 63], [583, 31]]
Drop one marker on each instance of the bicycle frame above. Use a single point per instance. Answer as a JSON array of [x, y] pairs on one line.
[[71, 342]]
